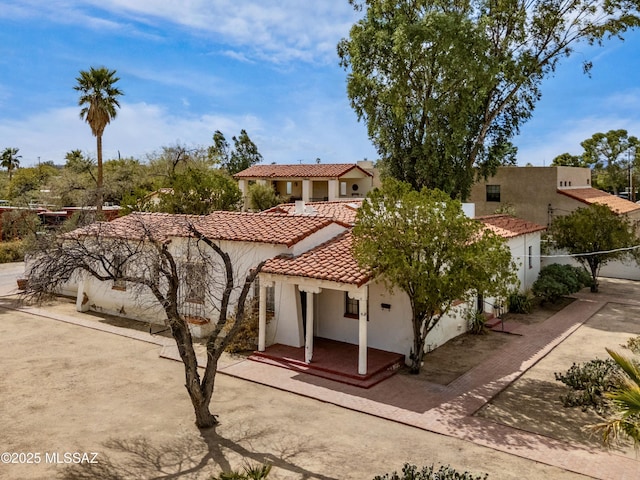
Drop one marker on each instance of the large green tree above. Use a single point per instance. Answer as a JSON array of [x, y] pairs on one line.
[[442, 85], [10, 160], [613, 157], [422, 244], [199, 191], [244, 153], [99, 102], [595, 236]]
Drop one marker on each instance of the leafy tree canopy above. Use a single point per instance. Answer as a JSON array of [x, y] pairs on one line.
[[443, 85], [424, 245], [595, 236], [244, 153], [200, 191]]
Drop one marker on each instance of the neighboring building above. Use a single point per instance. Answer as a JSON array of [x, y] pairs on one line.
[[539, 194], [310, 286], [311, 182]]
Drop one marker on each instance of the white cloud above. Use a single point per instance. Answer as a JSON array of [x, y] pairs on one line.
[[279, 31], [140, 129]]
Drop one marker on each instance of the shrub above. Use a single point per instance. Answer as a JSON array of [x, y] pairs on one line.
[[445, 472], [246, 338], [477, 323], [633, 344], [12, 251], [558, 280], [520, 302], [250, 473], [262, 197], [589, 381]]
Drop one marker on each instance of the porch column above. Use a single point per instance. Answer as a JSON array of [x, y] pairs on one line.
[[334, 190], [306, 190], [308, 341], [262, 314], [362, 297]]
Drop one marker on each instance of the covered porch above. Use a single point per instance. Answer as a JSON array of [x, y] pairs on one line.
[[327, 272], [333, 360]]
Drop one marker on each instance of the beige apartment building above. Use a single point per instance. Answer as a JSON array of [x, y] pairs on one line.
[[539, 194]]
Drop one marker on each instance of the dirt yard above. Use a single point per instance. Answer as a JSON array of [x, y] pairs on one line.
[[532, 403], [67, 389]]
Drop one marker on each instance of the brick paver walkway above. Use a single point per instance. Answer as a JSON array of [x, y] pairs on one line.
[[441, 409]]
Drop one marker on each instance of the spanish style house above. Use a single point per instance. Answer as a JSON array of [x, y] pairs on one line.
[[311, 182], [310, 285]]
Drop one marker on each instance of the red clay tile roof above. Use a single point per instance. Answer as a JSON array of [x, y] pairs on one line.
[[342, 211], [508, 227], [330, 170], [245, 227], [332, 261], [591, 195]]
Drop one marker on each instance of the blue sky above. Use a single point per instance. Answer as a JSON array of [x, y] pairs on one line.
[[270, 67]]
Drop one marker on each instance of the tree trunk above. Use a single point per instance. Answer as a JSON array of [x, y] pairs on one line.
[[199, 398], [417, 353], [99, 195]]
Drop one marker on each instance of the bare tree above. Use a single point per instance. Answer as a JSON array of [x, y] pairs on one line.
[[143, 258]]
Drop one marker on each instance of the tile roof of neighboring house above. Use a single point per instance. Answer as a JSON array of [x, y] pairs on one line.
[[508, 227], [323, 170], [342, 211], [332, 261], [591, 195], [245, 227]]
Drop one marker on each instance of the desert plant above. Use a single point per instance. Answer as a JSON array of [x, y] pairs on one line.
[[633, 344], [625, 400], [520, 302], [558, 280], [477, 323], [445, 472], [589, 382], [250, 473], [12, 251]]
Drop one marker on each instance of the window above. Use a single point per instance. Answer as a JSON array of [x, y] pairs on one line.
[[195, 281], [120, 270], [530, 255], [351, 307], [493, 193], [343, 189], [289, 188], [271, 295]]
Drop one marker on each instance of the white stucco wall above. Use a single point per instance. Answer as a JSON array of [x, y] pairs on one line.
[[627, 269], [388, 329], [519, 247]]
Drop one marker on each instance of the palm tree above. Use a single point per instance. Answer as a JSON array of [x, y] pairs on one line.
[[98, 99], [626, 401], [10, 160]]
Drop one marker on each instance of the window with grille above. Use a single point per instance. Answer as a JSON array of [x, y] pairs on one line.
[[493, 193], [195, 282], [351, 307]]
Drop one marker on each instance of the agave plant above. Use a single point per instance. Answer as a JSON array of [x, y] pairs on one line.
[[626, 403]]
